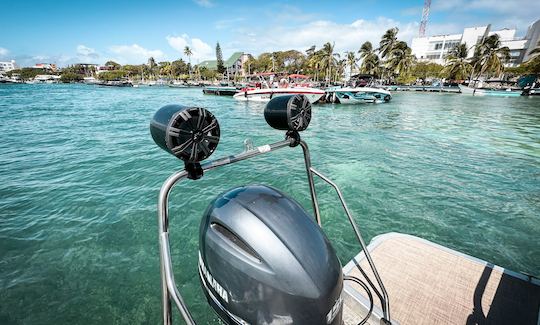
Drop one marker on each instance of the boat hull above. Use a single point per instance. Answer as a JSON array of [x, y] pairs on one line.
[[360, 95], [488, 92], [220, 91], [264, 95]]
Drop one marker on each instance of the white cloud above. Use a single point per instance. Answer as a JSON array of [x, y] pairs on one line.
[[508, 7], [86, 51], [177, 42], [86, 54], [200, 49], [509, 13], [134, 53], [3, 51], [204, 3], [347, 37]]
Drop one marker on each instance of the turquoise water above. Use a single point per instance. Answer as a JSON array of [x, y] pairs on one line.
[[80, 175]]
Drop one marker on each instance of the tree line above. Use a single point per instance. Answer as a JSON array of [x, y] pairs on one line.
[[392, 60]]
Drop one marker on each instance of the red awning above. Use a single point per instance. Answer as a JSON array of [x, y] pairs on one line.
[[298, 76]]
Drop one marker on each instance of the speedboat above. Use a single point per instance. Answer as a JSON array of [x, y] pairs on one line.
[[264, 95], [265, 89], [358, 95], [264, 259]]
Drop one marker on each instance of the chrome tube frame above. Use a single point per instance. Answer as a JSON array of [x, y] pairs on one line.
[[169, 289], [386, 302]]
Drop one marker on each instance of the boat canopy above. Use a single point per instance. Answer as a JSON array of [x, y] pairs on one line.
[[298, 76]]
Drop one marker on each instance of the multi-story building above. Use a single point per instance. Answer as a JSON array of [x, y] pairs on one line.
[[7, 66], [435, 48], [104, 68], [533, 37], [47, 66], [235, 65]]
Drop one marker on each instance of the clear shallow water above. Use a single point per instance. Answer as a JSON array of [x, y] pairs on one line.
[[80, 174]]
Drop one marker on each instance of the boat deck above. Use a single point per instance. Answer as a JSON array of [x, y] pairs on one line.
[[431, 284]]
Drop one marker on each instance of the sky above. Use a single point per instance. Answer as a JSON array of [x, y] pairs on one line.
[[131, 31]]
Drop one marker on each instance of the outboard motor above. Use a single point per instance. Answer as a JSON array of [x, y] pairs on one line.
[[263, 260]]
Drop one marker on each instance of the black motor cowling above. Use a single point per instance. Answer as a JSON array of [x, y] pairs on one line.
[[263, 260]]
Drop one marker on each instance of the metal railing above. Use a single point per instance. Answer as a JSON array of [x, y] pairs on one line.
[[169, 289]]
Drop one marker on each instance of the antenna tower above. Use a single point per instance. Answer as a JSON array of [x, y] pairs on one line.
[[425, 16]]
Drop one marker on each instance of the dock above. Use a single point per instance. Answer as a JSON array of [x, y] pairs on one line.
[[436, 89], [431, 284]]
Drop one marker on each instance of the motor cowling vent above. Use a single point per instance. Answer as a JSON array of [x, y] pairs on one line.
[[263, 260], [190, 133]]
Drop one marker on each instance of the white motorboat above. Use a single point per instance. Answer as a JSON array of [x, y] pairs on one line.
[[508, 92], [90, 80], [265, 89], [358, 95], [264, 95]]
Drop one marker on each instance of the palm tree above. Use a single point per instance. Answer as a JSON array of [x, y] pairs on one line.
[[351, 62], [165, 69], [315, 64], [152, 66], [388, 42], [340, 69], [310, 51], [401, 58], [490, 56], [188, 53], [370, 59], [328, 58], [457, 66]]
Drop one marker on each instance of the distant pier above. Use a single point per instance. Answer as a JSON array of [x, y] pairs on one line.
[[436, 89]]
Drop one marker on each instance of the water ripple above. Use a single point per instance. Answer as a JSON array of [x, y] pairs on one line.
[[79, 179]]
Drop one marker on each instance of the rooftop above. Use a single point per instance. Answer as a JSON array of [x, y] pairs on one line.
[[212, 64]]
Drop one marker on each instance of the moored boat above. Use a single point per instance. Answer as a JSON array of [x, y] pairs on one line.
[[508, 92], [267, 88], [220, 90], [113, 83], [358, 95], [264, 95]]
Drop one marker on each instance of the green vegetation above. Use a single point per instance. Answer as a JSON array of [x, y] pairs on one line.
[[219, 58], [114, 64], [392, 61], [489, 57], [27, 73], [457, 66], [532, 66], [68, 77], [112, 75], [425, 70], [370, 60], [188, 53]]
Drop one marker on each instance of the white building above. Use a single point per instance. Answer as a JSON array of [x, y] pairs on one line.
[[7, 66], [435, 48], [235, 65], [46, 66], [533, 37]]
